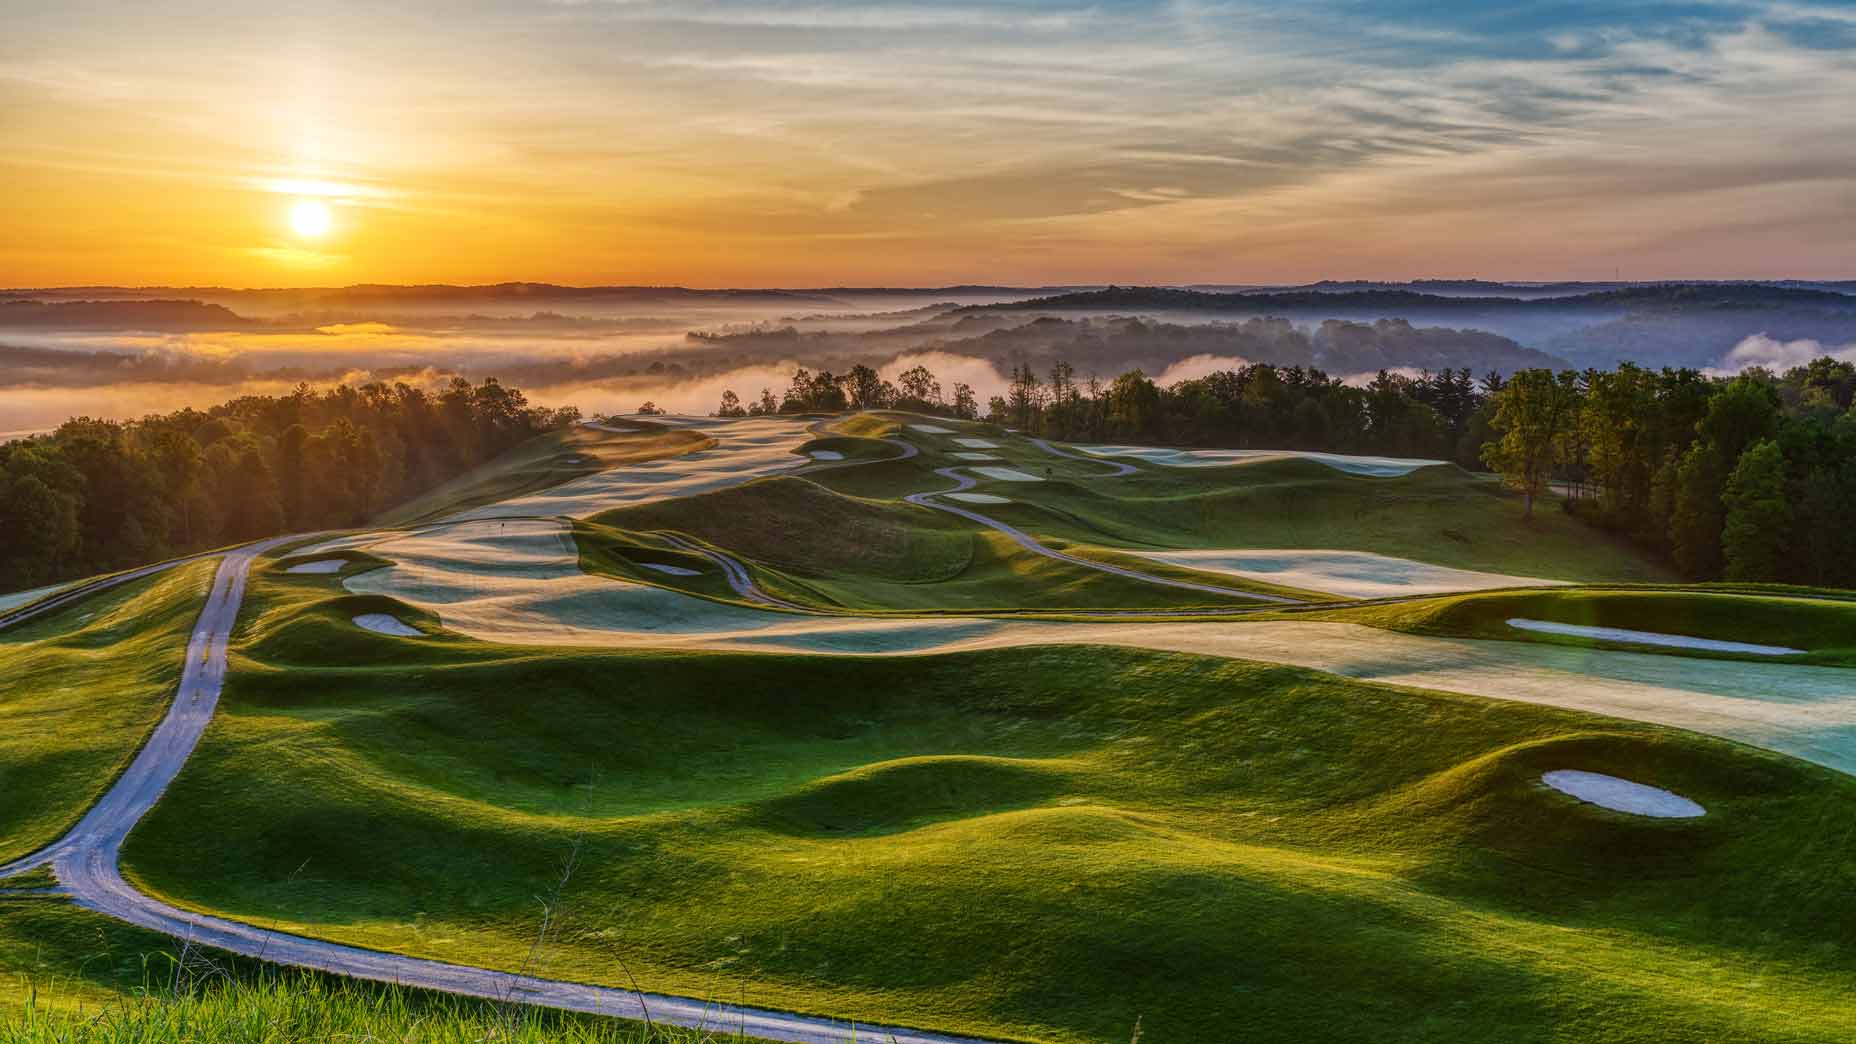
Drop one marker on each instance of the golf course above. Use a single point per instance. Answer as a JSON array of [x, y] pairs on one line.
[[876, 725]]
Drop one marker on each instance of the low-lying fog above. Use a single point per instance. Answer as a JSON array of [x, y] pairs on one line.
[[149, 351]]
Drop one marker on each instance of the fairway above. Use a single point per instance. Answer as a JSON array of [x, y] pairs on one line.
[[1036, 796], [1038, 751], [83, 687]]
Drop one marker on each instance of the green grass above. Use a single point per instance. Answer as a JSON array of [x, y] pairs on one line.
[[82, 689], [817, 547], [1825, 628], [794, 524], [1042, 844], [69, 976], [541, 462], [1441, 515], [68, 957], [851, 448]]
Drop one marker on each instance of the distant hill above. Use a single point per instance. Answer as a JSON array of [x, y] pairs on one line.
[[1667, 324], [120, 315]]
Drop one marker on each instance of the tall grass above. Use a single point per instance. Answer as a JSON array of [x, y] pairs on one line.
[[277, 1007]]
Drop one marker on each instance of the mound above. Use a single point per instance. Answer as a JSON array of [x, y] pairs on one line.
[[83, 686], [839, 535], [894, 796], [1024, 844], [1441, 515], [1710, 623]]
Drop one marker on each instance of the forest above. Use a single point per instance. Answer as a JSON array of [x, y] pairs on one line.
[[97, 495], [1749, 478]]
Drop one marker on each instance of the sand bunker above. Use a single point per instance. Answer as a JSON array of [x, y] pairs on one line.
[[745, 450], [931, 429], [975, 456], [827, 455], [978, 498], [1348, 574], [1007, 475], [671, 570], [381, 623], [326, 565], [1377, 467], [1621, 795], [1675, 641], [977, 443], [519, 581]]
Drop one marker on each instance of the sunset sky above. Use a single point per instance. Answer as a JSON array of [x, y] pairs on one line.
[[819, 143]]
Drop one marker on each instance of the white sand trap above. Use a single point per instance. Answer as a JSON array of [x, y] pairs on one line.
[[931, 429], [1348, 574], [827, 455], [977, 443], [1008, 475], [1377, 467], [521, 583], [326, 565], [671, 570], [1676, 641], [969, 455], [744, 450], [978, 498], [1621, 795], [381, 623]]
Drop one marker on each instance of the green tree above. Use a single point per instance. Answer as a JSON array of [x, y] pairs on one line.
[[1695, 524], [1742, 413], [1758, 515], [1533, 414]]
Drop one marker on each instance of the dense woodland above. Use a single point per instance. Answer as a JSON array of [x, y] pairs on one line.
[[96, 495], [1750, 478]]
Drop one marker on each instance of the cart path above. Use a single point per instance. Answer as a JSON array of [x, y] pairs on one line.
[[85, 861]]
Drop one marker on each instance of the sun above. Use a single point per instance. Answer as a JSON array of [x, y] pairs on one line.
[[310, 218]]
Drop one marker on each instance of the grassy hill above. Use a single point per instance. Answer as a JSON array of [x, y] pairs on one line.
[[77, 977], [82, 688], [1824, 627], [1043, 844], [544, 461], [814, 546], [1441, 515]]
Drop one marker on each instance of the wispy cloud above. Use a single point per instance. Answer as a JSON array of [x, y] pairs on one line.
[[1197, 139]]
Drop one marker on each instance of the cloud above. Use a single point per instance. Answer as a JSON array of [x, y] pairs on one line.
[[1199, 366], [1763, 351]]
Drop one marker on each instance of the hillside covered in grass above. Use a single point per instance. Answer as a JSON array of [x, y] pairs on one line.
[[81, 689], [1042, 844], [1824, 628]]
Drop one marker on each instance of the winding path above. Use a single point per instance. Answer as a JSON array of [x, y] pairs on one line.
[[736, 574], [85, 861], [1119, 467]]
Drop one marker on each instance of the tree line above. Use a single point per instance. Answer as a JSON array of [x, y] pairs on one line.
[[1751, 478], [98, 495], [1745, 478], [1438, 415]]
